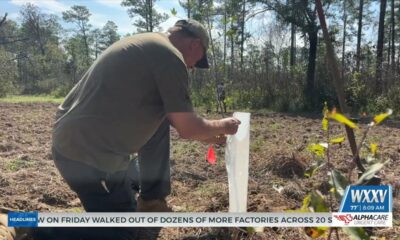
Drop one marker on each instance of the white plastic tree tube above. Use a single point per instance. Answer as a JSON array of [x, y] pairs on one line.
[[237, 163]]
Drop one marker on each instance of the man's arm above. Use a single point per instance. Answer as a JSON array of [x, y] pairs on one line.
[[191, 126]]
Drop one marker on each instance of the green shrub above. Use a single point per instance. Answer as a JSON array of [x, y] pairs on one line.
[[357, 95], [61, 91], [8, 69]]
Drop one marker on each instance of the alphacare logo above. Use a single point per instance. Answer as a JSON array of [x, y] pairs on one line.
[[346, 218], [368, 196]]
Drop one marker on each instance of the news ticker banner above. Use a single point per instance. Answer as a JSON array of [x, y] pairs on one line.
[[362, 206], [276, 219]]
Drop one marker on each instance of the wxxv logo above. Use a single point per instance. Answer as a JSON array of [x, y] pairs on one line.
[[367, 199], [368, 196]]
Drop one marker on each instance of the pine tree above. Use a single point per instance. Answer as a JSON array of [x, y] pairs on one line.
[[149, 18], [80, 16]]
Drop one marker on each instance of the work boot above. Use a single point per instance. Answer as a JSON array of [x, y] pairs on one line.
[[6, 233], [154, 205]]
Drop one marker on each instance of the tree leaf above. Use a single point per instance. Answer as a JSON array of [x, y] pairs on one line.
[[255, 229], [298, 211], [342, 119], [325, 121], [371, 159], [317, 149], [373, 148], [315, 232], [356, 233], [325, 124], [337, 140], [315, 202], [306, 202], [311, 170], [231, 33], [173, 12], [371, 171], [380, 117], [339, 183]]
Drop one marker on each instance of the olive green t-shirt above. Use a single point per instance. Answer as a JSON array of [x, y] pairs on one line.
[[121, 101]]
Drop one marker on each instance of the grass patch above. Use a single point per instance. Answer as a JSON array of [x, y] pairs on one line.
[[257, 144], [276, 126], [17, 164], [207, 190], [184, 149], [31, 99]]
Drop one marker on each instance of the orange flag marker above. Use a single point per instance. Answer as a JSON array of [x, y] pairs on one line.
[[211, 158]]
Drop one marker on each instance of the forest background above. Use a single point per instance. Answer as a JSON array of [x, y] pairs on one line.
[[269, 54]]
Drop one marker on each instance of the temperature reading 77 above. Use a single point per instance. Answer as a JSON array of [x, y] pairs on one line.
[[355, 207]]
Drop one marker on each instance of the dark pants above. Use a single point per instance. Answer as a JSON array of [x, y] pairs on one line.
[[154, 165], [103, 192]]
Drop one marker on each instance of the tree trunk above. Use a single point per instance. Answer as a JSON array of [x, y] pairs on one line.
[[242, 33], [344, 37], [86, 43], [96, 47], [398, 55], [147, 20], [312, 55], [393, 52], [151, 15], [360, 21], [225, 44], [212, 45], [232, 51], [379, 48], [35, 22], [3, 20], [389, 45], [292, 43], [188, 8]]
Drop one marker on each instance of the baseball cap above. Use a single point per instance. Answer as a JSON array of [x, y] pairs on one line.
[[198, 31]]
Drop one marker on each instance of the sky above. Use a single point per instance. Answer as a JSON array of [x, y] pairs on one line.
[[101, 10], [104, 10]]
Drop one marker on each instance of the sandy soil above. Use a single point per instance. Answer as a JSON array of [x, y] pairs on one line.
[[29, 181]]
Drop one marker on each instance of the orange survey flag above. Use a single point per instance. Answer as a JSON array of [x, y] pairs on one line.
[[211, 158]]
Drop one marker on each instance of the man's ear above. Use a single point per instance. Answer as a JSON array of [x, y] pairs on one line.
[[195, 43], [198, 41]]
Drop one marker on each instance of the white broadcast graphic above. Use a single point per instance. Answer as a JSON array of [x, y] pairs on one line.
[[237, 163], [366, 206]]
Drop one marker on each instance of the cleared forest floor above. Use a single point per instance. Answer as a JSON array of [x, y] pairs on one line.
[[278, 158]]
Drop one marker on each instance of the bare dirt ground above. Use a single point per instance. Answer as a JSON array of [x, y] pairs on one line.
[[278, 157]]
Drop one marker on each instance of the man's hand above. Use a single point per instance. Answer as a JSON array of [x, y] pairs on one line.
[[190, 126], [230, 125]]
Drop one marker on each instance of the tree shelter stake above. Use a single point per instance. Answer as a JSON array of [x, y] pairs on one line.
[[338, 81]]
